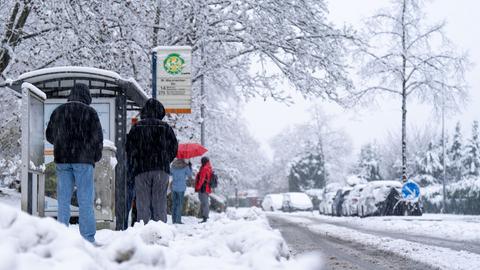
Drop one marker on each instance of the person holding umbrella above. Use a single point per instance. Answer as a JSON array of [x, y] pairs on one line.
[[151, 146], [181, 170], [202, 186]]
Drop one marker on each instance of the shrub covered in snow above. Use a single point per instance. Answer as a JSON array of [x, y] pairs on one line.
[[463, 197]]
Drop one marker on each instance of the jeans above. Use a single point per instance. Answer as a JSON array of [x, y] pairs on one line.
[[81, 176], [151, 196], [177, 206]]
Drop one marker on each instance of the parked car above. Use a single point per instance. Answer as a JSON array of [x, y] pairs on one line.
[[373, 198], [315, 195], [339, 199], [326, 202], [272, 202], [350, 204], [296, 201]]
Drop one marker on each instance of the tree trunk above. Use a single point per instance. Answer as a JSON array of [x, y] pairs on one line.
[[13, 33], [404, 96], [156, 28], [404, 136]]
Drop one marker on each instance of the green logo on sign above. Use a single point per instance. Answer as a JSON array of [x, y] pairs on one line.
[[173, 64]]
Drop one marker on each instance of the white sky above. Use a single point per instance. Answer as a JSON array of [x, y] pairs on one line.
[[267, 118]]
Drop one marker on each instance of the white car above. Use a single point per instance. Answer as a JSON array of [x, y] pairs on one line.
[[350, 203], [296, 201], [272, 202], [373, 196], [326, 203]]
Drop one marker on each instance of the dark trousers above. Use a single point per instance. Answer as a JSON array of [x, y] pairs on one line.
[[151, 196], [177, 206], [130, 198], [204, 204]]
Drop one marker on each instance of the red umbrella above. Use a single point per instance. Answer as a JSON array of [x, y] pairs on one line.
[[190, 150]]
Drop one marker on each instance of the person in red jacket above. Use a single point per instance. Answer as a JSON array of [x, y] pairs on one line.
[[202, 186]]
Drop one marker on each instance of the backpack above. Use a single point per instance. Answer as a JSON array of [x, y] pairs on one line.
[[214, 180]]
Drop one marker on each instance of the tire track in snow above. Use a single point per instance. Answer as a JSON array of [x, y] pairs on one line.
[[422, 239], [340, 254]]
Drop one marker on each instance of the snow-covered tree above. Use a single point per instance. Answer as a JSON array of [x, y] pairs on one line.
[[455, 155], [307, 173], [471, 159], [298, 142], [368, 166], [429, 164], [9, 137], [227, 39], [391, 152], [407, 58]]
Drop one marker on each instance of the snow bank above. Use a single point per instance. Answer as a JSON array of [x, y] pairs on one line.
[[10, 197], [240, 239]]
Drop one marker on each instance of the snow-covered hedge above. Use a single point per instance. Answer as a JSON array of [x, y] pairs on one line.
[[236, 240], [463, 197]]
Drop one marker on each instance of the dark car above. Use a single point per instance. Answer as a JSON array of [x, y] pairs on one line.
[[383, 198], [338, 201]]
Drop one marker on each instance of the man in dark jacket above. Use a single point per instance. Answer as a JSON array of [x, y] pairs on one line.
[[76, 134], [151, 147]]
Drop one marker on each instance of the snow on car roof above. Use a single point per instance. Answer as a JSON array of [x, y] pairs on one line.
[[382, 183], [333, 187], [314, 192], [297, 196], [277, 198]]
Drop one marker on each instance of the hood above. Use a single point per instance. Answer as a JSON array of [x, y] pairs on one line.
[[208, 165], [179, 164], [152, 109], [80, 93]]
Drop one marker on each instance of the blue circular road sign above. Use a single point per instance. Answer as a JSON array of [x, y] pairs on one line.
[[411, 191]]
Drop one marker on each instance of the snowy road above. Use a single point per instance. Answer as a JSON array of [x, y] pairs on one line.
[[423, 239], [339, 254]]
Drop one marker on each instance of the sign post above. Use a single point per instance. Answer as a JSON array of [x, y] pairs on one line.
[[172, 79]]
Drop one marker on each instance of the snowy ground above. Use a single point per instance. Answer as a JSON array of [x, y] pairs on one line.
[[238, 239], [453, 227], [441, 241]]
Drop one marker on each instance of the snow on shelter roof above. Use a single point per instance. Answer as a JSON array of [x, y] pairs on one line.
[[132, 89], [56, 72]]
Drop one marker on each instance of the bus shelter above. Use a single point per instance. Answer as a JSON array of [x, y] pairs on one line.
[[112, 96]]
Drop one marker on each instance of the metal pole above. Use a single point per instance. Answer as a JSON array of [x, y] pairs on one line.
[[236, 196], [202, 96], [154, 75], [443, 150]]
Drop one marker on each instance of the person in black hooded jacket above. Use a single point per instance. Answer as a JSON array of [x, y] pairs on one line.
[[151, 147], [76, 134]]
